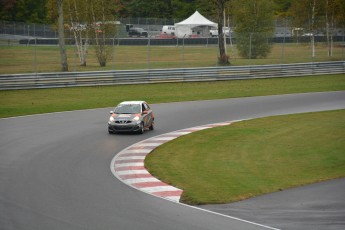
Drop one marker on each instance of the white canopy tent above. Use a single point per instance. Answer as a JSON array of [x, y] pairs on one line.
[[195, 24]]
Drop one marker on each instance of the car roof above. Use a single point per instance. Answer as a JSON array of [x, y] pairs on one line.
[[132, 102]]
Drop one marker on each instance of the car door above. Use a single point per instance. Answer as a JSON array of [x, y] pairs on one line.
[[147, 115]]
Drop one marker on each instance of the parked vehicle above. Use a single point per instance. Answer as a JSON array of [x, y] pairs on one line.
[[128, 26], [169, 30], [136, 31], [214, 32], [131, 116]]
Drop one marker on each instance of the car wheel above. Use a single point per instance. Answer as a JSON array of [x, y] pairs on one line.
[[152, 126], [142, 128]]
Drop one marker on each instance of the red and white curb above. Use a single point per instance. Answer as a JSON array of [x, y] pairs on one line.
[[128, 165]]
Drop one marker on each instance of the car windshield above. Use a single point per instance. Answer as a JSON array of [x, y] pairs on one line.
[[128, 108]]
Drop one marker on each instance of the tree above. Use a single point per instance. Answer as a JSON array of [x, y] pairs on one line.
[[334, 17], [307, 14], [220, 7], [182, 8], [75, 23], [90, 21], [32, 11], [282, 7], [254, 26], [102, 19], [314, 16], [205, 8], [148, 8], [339, 15], [77, 15], [8, 10], [216, 10], [63, 57]]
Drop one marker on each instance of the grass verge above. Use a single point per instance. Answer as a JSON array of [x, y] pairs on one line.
[[43, 58], [25, 102], [254, 157]]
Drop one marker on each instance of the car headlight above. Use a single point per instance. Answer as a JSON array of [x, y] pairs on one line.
[[136, 119], [111, 119]]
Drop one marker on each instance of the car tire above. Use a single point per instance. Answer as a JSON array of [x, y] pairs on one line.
[[142, 128], [152, 126]]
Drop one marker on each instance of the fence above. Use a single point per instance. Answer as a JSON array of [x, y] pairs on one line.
[[283, 28], [36, 49], [54, 80], [154, 53], [27, 29]]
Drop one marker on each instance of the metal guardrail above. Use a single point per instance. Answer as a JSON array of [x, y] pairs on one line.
[[97, 78]]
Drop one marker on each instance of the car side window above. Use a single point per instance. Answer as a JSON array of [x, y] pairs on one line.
[[147, 107]]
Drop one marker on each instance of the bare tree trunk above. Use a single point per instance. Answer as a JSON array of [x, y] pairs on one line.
[[77, 32], [63, 56], [327, 30], [100, 39], [223, 58]]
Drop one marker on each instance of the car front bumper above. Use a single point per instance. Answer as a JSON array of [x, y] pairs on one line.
[[131, 127]]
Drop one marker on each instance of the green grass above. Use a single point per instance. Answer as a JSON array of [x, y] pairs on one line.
[[26, 59], [25, 102], [214, 166], [255, 157], [250, 158]]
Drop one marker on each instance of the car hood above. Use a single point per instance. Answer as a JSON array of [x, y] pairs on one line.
[[125, 117]]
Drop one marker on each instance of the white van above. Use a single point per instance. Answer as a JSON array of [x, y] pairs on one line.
[[214, 32], [170, 30]]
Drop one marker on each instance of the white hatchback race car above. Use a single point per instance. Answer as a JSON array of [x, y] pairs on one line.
[[131, 116]]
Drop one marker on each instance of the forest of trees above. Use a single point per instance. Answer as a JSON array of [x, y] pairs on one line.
[[34, 11], [37, 11]]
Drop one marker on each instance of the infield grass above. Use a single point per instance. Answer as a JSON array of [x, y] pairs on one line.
[[254, 157], [25, 102], [45, 58]]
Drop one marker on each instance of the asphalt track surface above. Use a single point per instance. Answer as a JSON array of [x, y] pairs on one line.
[[54, 171]]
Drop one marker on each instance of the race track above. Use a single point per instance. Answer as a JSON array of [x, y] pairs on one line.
[[54, 168]]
